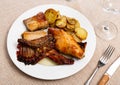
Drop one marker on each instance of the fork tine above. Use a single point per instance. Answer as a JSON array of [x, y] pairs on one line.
[[105, 53], [108, 54], [111, 52], [107, 49]]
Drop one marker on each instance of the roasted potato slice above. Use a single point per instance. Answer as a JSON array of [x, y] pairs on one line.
[[77, 39], [77, 24], [72, 24], [71, 20], [51, 15], [81, 33], [61, 23], [70, 27], [53, 25], [58, 16], [74, 36]]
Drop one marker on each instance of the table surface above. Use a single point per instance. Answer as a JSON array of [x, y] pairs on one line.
[[11, 75]]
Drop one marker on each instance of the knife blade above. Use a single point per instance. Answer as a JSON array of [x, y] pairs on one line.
[[110, 71]]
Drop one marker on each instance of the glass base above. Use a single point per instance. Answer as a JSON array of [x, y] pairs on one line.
[[106, 30]]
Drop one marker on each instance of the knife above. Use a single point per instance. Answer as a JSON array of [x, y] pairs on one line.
[[108, 74]]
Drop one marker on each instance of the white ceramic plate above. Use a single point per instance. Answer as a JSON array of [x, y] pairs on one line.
[[50, 72]]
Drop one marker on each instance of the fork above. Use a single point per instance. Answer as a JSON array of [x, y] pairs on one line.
[[102, 61]]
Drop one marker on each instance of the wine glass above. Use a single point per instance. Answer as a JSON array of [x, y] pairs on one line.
[[111, 6], [106, 29]]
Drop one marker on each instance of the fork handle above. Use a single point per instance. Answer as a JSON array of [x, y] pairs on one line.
[[91, 77]]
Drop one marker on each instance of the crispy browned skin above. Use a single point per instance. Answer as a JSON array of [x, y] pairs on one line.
[[82, 45], [65, 43], [36, 22]]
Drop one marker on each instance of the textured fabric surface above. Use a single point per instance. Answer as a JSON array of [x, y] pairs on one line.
[[11, 75]]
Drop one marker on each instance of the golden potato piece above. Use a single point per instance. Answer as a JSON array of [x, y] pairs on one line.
[[81, 33], [51, 15], [74, 36], [70, 27], [58, 16], [77, 24], [53, 25], [71, 20], [77, 39], [61, 23]]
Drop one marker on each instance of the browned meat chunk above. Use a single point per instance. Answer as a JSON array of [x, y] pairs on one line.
[[65, 43], [36, 22], [30, 52], [58, 58]]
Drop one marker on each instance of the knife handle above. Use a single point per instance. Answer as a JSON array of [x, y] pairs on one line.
[[104, 79]]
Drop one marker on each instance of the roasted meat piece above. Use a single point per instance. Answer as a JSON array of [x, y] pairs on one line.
[[30, 52], [65, 43], [46, 41], [36, 22], [58, 58], [33, 35], [28, 55]]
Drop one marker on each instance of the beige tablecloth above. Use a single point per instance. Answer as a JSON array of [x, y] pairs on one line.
[[9, 73]]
